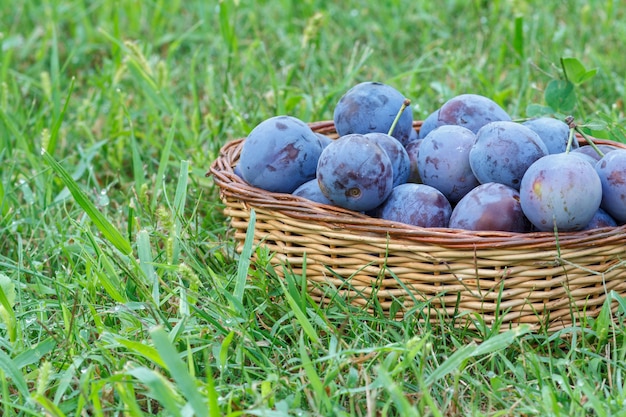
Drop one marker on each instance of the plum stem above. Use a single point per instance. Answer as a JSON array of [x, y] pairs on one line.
[[406, 103], [589, 141], [570, 140], [575, 128]]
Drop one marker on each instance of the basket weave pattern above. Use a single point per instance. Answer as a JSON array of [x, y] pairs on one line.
[[543, 279]]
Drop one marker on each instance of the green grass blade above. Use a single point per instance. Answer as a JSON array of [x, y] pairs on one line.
[[106, 228], [4, 206], [244, 259], [500, 341], [306, 325], [165, 156], [10, 369], [141, 349], [180, 198], [314, 379], [454, 362], [51, 408], [56, 126], [179, 371], [146, 262], [35, 353], [160, 388]]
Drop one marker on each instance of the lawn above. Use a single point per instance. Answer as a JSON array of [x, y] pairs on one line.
[[121, 290]]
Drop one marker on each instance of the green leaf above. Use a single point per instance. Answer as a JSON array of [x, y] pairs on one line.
[[538, 110], [575, 71], [561, 96], [106, 228]]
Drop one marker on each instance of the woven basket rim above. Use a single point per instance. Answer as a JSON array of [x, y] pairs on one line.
[[233, 187]]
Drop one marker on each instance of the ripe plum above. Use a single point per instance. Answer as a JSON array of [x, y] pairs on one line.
[[430, 123], [490, 206], [443, 161], [472, 111], [311, 190], [412, 149], [280, 154], [503, 151], [372, 107], [396, 153], [562, 191], [354, 172], [612, 171], [553, 132], [601, 219], [416, 204]]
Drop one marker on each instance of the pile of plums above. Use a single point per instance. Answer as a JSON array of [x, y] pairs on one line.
[[469, 167]]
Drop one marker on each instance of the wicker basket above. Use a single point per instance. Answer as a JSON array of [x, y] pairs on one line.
[[546, 280]]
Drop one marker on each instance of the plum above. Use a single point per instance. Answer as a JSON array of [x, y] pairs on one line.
[[562, 191], [600, 219], [311, 190], [503, 151], [553, 132], [589, 151], [443, 161], [472, 111], [612, 172], [416, 204], [355, 173], [430, 123], [324, 140], [372, 107], [280, 154], [396, 153], [490, 206], [412, 149]]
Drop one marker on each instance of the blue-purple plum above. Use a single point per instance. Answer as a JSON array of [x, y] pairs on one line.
[[324, 140], [396, 153], [311, 191], [472, 111], [431, 122], [503, 151], [237, 171], [553, 132], [443, 161], [412, 149], [372, 107], [562, 191], [413, 135], [601, 219], [612, 171], [280, 154], [355, 173], [416, 204], [589, 151], [585, 157], [490, 206]]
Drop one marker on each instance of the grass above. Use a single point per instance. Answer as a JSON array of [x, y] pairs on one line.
[[121, 293]]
